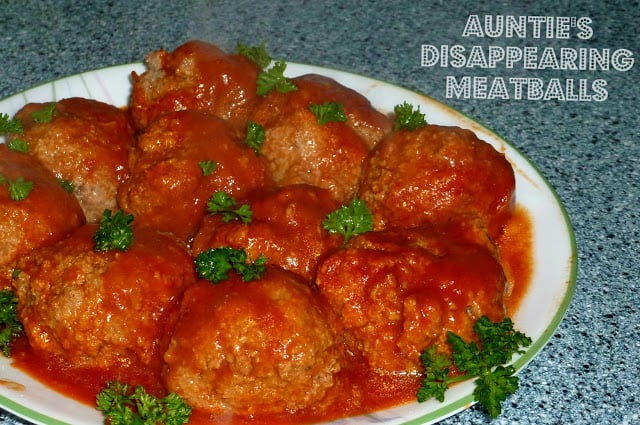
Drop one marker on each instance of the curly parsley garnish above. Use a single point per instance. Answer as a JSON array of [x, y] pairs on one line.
[[120, 406], [273, 78], [486, 362], [215, 264], [67, 185], [208, 167], [10, 125], [221, 203], [349, 220], [10, 326], [256, 54], [115, 232], [255, 136], [18, 145], [44, 114], [328, 112], [408, 118], [19, 189]]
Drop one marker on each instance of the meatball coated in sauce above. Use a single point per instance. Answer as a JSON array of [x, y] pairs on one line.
[[168, 188], [398, 292], [286, 226], [256, 347], [437, 174], [103, 309], [195, 76], [86, 143], [301, 151], [45, 216], [370, 124]]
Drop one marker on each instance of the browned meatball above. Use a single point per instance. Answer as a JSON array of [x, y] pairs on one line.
[[398, 292], [300, 150], [103, 309], [168, 188], [86, 142], [286, 226], [252, 347], [45, 216], [437, 174], [196, 76], [370, 124]]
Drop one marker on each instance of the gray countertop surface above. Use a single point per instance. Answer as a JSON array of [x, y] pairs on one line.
[[589, 150]]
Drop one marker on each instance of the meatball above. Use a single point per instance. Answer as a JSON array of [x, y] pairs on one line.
[[103, 309], [370, 124], [286, 226], [251, 348], [397, 292], [86, 142], [196, 76], [300, 150], [437, 174], [169, 189], [45, 216]]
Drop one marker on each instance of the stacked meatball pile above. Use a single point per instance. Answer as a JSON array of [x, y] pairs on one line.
[[291, 340]]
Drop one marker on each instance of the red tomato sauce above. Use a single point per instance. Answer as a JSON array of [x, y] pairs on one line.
[[515, 245]]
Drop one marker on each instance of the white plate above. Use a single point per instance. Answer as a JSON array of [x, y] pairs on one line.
[[540, 311]]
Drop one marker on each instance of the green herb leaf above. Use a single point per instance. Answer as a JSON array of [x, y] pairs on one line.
[[255, 136], [45, 114], [328, 112], [18, 145], [208, 167], [349, 220], [11, 328], [67, 185], [253, 270], [215, 264], [19, 189], [115, 232], [121, 406], [408, 118], [273, 78], [256, 54], [221, 203], [10, 125], [492, 388], [436, 370], [484, 360]]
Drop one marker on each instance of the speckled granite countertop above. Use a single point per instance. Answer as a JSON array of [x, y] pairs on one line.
[[588, 150]]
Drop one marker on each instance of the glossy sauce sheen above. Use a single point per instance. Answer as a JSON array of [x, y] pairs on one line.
[[515, 248]]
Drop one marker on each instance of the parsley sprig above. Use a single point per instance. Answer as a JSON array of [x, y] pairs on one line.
[[486, 361], [208, 167], [67, 185], [221, 203], [115, 232], [215, 264], [18, 145], [408, 118], [273, 78], [121, 406], [10, 125], [10, 326], [349, 220], [44, 114], [328, 112], [19, 189], [256, 54], [255, 136]]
